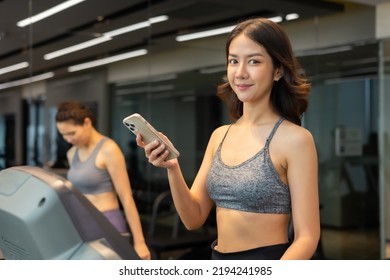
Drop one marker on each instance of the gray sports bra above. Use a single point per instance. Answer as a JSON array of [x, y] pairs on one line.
[[86, 177], [252, 186]]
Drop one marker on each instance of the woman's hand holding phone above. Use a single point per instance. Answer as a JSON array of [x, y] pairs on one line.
[[156, 152], [158, 149]]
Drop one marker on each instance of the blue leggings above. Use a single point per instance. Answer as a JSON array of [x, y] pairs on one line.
[[272, 252]]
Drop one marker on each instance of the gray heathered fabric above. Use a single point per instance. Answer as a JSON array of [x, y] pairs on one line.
[[252, 186], [86, 177]]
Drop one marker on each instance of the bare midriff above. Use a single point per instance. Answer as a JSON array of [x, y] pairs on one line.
[[239, 231], [104, 201]]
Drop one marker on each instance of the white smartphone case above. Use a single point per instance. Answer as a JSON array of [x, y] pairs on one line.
[[137, 124]]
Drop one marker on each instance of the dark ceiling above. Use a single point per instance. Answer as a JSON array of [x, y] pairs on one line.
[[88, 19]]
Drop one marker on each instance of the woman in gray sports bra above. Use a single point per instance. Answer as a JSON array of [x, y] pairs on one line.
[[262, 169], [98, 170]]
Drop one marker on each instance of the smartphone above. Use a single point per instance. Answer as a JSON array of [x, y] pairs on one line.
[[137, 124]]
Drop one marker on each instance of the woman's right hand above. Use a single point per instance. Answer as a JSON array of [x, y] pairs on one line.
[[156, 152]]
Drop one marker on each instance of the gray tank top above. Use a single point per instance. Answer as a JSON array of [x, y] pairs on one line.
[[252, 186], [86, 177]]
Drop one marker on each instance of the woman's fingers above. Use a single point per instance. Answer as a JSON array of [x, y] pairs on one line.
[[138, 140], [155, 152]]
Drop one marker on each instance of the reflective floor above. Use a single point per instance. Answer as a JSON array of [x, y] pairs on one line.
[[351, 244], [337, 244]]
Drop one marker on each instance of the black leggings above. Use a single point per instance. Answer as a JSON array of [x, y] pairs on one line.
[[272, 252]]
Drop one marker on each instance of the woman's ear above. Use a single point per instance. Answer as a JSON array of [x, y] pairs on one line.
[[278, 73], [87, 122]]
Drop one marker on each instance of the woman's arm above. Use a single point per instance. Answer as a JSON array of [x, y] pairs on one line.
[[192, 204], [302, 175], [116, 166]]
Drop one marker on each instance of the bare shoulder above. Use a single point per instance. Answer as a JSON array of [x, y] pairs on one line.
[[292, 139], [219, 133], [110, 148], [70, 153], [295, 135], [216, 138]]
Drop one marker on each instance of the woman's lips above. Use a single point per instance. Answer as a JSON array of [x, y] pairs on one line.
[[242, 86]]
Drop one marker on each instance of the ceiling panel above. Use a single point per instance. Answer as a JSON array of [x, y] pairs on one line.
[[92, 18]]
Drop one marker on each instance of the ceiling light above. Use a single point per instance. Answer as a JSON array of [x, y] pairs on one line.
[[105, 37], [13, 67], [27, 80], [202, 34], [212, 70], [154, 79], [292, 16], [77, 47], [214, 32], [324, 51], [136, 26], [127, 29], [107, 60], [276, 19], [49, 12], [158, 19], [135, 90]]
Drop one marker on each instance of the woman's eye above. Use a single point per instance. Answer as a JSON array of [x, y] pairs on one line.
[[232, 61], [252, 61]]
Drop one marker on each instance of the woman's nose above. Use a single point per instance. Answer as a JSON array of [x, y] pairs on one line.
[[241, 72], [68, 139]]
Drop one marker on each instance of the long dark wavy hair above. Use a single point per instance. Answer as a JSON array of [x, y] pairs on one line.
[[74, 111], [289, 95]]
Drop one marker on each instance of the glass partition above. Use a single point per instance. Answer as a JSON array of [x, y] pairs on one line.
[[185, 110], [347, 101], [384, 146], [342, 115]]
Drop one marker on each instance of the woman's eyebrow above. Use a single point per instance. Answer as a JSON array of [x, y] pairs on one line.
[[248, 55]]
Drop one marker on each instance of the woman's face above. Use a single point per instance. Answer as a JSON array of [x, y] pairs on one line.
[[73, 133], [250, 70]]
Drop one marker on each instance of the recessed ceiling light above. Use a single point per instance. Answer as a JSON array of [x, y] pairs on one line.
[[107, 60], [14, 67], [105, 37], [48, 13], [27, 80]]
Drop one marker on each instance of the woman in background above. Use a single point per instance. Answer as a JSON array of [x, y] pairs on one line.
[[98, 170]]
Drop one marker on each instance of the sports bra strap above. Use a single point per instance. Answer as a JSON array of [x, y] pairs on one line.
[[273, 132], [223, 139], [94, 152], [269, 137]]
